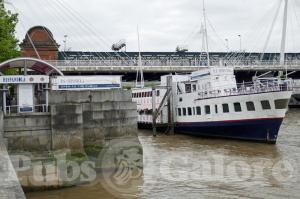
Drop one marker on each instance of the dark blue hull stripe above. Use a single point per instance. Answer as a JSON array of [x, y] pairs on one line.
[[263, 130]]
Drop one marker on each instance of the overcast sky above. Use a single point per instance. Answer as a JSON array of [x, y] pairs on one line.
[[93, 25]]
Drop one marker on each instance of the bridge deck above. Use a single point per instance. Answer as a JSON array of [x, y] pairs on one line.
[[164, 66], [179, 69]]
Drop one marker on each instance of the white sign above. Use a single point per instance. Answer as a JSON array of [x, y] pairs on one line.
[[25, 98], [21, 79], [86, 82]]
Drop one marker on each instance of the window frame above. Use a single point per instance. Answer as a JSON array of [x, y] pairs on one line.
[[198, 110], [237, 107], [227, 108], [184, 112], [207, 109], [250, 107], [189, 111], [268, 105], [179, 111]]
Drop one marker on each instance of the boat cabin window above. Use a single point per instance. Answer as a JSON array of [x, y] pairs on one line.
[[237, 107], [250, 106], [184, 111], [225, 108], [157, 93], [207, 110], [281, 103], [189, 111], [265, 105], [194, 87], [179, 111], [188, 88], [198, 109], [216, 109]]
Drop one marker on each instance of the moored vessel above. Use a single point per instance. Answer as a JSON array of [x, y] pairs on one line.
[[210, 103]]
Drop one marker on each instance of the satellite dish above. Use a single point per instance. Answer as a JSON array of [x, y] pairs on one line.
[[119, 45]]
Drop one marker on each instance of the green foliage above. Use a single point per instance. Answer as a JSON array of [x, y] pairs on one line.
[[10, 71], [8, 41]]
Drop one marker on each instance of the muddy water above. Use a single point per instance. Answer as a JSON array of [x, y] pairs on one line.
[[188, 167]]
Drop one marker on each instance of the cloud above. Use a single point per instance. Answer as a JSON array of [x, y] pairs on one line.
[[95, 24]]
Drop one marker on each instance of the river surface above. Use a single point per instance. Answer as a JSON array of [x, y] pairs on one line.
[[188, 167]]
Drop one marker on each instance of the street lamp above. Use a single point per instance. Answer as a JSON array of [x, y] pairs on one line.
[[227, 44], [65, 42], [240, 36]]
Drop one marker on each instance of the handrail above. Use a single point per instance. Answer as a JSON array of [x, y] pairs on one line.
[[168, 63], [41, 108], [246, 89]]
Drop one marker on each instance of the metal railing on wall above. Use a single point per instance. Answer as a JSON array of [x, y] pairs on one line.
[[42, 108]]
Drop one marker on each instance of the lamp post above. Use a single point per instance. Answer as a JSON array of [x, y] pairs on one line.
[[240, 36], [227, 44], [65, 42]]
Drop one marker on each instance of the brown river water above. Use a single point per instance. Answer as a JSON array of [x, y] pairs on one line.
[[190, 167]]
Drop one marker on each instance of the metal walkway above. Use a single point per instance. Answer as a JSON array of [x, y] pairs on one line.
[[163, 66]]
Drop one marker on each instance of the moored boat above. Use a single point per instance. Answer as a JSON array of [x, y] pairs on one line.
[[210, 103]]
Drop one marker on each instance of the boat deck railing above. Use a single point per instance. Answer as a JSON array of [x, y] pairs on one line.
[[247, 89]]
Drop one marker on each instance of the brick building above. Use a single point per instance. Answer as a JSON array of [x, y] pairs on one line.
[[42, 39]]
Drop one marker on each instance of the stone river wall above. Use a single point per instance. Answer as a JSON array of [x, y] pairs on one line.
[[76, 119]]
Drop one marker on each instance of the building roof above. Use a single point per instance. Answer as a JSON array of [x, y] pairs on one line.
[[32, 64]]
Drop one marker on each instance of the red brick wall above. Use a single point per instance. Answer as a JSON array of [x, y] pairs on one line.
[[44, 43]]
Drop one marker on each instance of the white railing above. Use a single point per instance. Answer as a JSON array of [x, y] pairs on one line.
[[181, 62], [247, 89], [43, 108]]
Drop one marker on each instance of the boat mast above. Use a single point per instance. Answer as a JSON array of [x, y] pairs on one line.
[[283, 39], [140, 72], [205, 34]]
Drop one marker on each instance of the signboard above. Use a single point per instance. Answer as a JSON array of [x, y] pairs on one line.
[[86, 82], [21, 79], [25, 98]]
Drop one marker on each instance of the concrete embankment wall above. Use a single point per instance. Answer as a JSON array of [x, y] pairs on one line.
[[32, 132], [79, 125], [76, 119], [10, 187], [94, 116]]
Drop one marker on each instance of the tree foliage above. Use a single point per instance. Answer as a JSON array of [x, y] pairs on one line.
[[8, 41]]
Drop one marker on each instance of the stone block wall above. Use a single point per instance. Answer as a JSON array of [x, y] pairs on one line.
[[105, 114], [76, 119], [66, 125], [32, 132]]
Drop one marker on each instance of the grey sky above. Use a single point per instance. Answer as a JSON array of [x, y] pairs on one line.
[[163, 23]]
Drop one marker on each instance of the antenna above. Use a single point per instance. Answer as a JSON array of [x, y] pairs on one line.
[[140, 72], [205, 33], [283, 39]]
